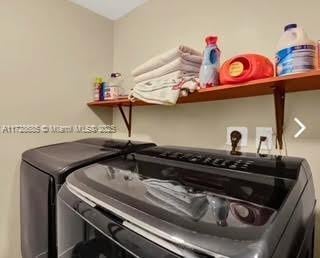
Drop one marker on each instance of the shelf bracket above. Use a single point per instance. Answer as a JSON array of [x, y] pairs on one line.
[[279, 101], [127, 120]]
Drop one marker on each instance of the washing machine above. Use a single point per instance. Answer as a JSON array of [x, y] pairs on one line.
[[43, 171], [168, 202]]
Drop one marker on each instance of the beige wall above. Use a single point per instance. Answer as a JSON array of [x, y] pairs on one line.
[[242, 26], [50, 51]]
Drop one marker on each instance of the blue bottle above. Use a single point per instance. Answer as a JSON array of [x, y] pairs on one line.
[[209, 71]]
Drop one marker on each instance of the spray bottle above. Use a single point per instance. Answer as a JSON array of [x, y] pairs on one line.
[[209, 71]]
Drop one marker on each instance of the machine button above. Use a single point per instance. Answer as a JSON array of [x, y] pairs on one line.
[[226, 163], [164, 154], [196, 158], [187, 156], [239, 163], [233, 166], [175, 155], [207, 160], [245, 167], [180, 155], [217, 162]]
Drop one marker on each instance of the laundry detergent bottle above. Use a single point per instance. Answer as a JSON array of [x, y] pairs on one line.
[[296, 53], [209, 71]]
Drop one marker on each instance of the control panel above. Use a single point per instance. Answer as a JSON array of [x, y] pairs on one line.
[[278, 166], [208, 160]]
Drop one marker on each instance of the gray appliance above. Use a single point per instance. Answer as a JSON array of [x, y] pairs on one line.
[[43, 171], [170, 202]]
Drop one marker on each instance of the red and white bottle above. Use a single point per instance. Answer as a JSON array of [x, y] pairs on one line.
[[209, 71]]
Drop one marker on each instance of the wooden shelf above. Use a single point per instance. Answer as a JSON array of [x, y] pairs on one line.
[[291, 83], [277, 86]]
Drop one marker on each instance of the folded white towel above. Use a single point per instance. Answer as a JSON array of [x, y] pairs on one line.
[[170, 76], [163, 93], [186, 53], [178, 64], [164, 90]]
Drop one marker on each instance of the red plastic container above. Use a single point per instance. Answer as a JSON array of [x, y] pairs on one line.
[[245, 68]]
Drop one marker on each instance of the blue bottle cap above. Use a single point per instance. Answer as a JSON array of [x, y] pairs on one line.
[[290, 26]]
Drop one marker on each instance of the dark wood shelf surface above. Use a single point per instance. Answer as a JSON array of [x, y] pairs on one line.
[[292, 83]]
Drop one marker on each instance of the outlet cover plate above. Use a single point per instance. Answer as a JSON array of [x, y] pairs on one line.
[[244, 135], [264, 131]]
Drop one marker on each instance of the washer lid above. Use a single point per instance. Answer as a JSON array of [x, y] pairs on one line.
[[117, 143], [180, 205], [60, 158]]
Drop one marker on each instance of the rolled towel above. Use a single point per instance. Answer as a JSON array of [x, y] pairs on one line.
[[184, 52], [178, 64]]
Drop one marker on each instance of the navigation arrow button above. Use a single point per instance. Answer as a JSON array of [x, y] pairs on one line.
[[302, 128]]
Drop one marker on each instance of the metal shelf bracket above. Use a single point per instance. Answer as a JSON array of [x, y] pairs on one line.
[[279, 101], [127, 120]]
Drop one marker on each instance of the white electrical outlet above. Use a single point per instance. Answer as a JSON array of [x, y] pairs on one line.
[[267, 132], [244, 135]]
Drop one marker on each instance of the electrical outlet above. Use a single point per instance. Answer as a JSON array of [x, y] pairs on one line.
[[244, 135], [267, 132]]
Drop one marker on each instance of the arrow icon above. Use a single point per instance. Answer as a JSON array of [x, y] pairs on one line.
[[302, 128]]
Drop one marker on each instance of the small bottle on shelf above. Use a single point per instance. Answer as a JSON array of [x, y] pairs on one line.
[[209, 71], [114, 86], [97, 89]]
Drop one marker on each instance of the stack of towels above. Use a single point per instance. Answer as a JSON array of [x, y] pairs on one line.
[[161, 79]]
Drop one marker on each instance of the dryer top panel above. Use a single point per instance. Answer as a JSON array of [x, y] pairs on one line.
[[58, 159]]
